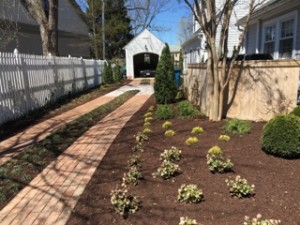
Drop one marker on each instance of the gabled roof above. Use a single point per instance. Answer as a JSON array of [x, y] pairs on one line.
[[140, 34]]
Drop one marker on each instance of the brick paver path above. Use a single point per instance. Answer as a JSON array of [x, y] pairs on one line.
[[51, 196]]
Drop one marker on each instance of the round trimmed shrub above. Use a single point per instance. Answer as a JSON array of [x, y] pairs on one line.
[[281, 136], [296, 111]]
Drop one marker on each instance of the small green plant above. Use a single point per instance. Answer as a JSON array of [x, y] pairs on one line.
[[258, 220], [148, 119], [134, 161], [187, 221], [239, 187], [173, 154], [187, 110], [225, 138], [151, 108], [164, 112], [3, 173], [141, 137], [148, 114], [216, 161], [16, 169], [197, 130], [191, 141], [147, 130], [168, 169], [132, 177], [167, 125], [189, 193], [2, 195], [123, 202], [138, 147], [26, 178], [169, 133], [237, 126], [147, 124]]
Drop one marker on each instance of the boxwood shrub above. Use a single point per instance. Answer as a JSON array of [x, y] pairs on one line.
[[296, 111], [281, 136]]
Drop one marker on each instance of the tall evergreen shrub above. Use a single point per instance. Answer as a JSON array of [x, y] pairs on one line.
[[107, 73], [165, 89], [117, 73]]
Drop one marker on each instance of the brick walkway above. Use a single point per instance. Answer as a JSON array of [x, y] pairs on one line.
[[51, 196]]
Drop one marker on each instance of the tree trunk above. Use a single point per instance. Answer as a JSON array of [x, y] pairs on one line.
[[53, 27]]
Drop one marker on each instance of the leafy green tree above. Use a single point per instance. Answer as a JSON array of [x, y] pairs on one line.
[[165, 89], [117, 27]]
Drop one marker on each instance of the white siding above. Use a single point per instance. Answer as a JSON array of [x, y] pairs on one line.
[[145, 42]]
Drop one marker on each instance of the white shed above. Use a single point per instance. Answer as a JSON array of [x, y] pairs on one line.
[[142, 54]]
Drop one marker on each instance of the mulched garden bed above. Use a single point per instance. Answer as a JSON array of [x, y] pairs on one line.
[[276, 180]]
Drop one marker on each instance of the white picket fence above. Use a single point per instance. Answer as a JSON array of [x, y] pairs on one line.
[[29, 82]]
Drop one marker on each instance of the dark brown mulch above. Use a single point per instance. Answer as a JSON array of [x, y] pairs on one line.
[[11, 128], [277, 180]]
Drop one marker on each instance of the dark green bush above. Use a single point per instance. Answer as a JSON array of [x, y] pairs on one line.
[[164, 112], [237, 126], [281, 136], [296, 111], [187, 110], [107, 74], [165, 89], [117, 73]]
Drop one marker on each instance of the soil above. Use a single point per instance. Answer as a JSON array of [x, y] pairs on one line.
[[276, 180]]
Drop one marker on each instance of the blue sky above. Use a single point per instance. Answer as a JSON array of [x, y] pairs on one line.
[[169, 20]]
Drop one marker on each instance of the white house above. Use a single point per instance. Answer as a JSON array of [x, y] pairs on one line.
[[73, 31], [142, 53], [194, 49], [275, 29]]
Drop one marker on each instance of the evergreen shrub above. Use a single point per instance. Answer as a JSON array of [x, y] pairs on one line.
[[164, 112], [281, 136], [165, 89], [107, 74], [296, 111]]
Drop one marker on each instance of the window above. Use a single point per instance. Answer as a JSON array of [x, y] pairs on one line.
[[286, 39], [147, 58], [269, 46], [279, 36]]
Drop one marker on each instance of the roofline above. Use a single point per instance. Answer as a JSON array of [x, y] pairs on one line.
[[192, 38], [139, 35], [272, 7]]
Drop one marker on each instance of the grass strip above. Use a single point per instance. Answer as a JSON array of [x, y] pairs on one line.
[[20, 170]]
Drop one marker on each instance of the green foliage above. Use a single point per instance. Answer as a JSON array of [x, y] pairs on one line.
[[147, 124], [240, 187], [147, 130], [187, 221], [189, 193], [187, 110], [237, 126], [123, 202], [107, 74], [148, 114], [258, 220], [2, 195], [296, 111], [151, 108], [165, 88], [132, 177], [140, 137], [169, 133], [164, 112], [134, 161], [281, 136], [167, 125], [138, 147], [117, 73], [197, 130], [225, 138], [173, 154], [168, 169], [216, 161], [191, 141], [148, 119]]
